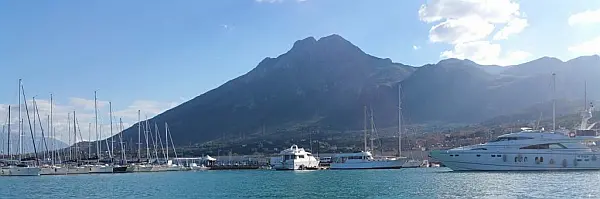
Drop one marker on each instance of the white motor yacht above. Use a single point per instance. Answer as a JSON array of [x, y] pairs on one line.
[[522, 151], [364, 160], [295, 158]]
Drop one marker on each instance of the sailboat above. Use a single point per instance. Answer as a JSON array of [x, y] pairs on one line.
[[51, 168], [98, 168], [142, 166], [364, 159], [18, 168]]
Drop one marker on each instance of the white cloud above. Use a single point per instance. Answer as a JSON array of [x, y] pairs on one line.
[[460, 30], [584, 18], [415, 47], [484, 52], [494, 11], [587, 47], [86, 104], [468, 24], [514, 26]]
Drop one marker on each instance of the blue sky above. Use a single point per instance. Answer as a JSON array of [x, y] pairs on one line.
[[152, 55]]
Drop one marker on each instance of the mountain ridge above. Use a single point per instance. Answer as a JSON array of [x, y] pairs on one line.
[[325, 83]]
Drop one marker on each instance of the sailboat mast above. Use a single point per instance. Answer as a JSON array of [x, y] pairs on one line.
[[399, 120], [146, 136], [139, 136], [112, 141], [167, 139], [554, 102], [8, 134], [123, 156], [20, 124], [75, 136], [89, 140], [52, 130], [98, 143], [30, 127], [372, 132], [69, 133], [365, 128]]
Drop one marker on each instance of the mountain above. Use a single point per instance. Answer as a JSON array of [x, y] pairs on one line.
[[326, 83]]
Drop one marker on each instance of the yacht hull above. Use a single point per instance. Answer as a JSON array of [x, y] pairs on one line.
[[295, 165], [469, 161], [20, 171]]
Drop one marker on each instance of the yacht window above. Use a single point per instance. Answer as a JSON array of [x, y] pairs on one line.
[[451, 155], [456, 155], [301, 156], [545, 146], [498, 155], [309, 155], [494, 156], [479, 149], [541, 159], [516, 159], [557, 146], [525, 159], [478, 155], [510, 138]]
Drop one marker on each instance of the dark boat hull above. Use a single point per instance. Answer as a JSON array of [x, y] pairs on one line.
[[121, 169]]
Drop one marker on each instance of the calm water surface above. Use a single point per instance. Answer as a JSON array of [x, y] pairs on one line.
[[405, 183]]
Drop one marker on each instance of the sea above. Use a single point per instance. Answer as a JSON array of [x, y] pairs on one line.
[[402, 183]]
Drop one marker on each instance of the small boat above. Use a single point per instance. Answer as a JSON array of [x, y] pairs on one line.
[[121, 169], [295, 158]]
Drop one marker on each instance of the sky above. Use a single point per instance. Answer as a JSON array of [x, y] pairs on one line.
[[153, 55]]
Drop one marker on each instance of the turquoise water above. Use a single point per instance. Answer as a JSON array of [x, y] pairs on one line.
[[404, 183]]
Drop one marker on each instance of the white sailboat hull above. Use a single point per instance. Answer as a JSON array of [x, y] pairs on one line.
[[369, 164], [20, 171], [100, 169], [54, 171], [78, 170], [142, 168]]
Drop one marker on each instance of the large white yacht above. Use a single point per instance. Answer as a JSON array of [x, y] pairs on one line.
[[364, 160], [525, 150], [295, 158], [529, 150]]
